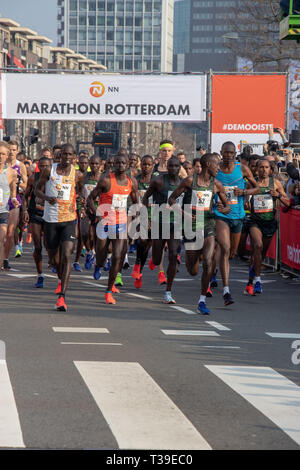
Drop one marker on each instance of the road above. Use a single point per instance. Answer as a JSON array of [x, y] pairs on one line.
[[144, 375]]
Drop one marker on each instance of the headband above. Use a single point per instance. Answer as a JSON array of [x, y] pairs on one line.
[[166, 146]]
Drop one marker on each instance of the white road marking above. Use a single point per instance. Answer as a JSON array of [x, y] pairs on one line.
[[92, 344], [190, 333], [10, 429], [284, 335], [139, 296], [138, 411], [218, 325], [217, 347], [270, 392], [93, 284], [183, 279], [184, 310], [246, 280], [21, 276], [67, 329]]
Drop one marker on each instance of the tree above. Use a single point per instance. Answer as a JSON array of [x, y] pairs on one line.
[[255, 24]]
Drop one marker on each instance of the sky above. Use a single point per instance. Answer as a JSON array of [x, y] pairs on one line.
[[39, 15]]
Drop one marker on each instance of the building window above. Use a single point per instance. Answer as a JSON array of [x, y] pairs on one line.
[[82, 5], [73, 5], [101, 5], [92, 5], [101, 20]]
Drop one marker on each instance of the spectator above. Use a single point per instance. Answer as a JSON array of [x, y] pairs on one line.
[[182, 158], [201, 150], [188, 168], [294, 190]]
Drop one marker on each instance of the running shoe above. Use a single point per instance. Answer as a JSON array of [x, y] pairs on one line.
[[138, 282], [77, 267], [83, 252], [40, 282], [109, 298], [178, 259], [18, 253], [249, 290], [228, 300], [203, 309], [58, 289], [88, 262], [118, 281], [162, 278], [126, 264], [209, 292], [6, 265], [97, 273], [136, 271], [61, 304], [213, 282], [257, 288], [151, 265], [107, 265], [115, 290], [28, 238], [168, 299], [132, 249]]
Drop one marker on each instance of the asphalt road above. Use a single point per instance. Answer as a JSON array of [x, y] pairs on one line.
[[144, 375]]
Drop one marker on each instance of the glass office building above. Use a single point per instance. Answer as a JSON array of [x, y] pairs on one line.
[[123, 35]]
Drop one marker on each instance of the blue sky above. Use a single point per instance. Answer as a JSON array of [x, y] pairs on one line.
[[39, 15]]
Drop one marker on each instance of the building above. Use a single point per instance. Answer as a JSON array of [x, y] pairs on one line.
[[182, 19]]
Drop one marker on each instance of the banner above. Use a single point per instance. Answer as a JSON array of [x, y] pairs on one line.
[[245, 106], [104, 97], [290, 238], [294, 97]]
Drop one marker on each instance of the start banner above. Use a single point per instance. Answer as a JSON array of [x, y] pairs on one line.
[[104, 97], [290, 238], [245, 106]]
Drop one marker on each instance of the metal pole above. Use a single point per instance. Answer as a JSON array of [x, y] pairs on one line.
[[208, 108]]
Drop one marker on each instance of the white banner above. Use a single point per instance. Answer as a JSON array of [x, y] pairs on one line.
[[294, 70], [104, 97]]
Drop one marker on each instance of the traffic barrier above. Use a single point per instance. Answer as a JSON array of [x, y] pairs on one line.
[[290, 241]]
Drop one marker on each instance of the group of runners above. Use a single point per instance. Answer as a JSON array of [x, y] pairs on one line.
[[209, 209]]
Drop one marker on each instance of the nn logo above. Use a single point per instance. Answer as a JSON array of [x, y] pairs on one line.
[[97, 89]]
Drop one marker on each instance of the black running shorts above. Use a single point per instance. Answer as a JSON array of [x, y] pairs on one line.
[[58, 232]]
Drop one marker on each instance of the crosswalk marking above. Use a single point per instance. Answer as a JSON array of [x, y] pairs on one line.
[[284, 335], [190, 332], [218, 326], [69, 329], [184, 310], [92, 344], [139, 296], [10, 429], [270, 392], [138, 411]]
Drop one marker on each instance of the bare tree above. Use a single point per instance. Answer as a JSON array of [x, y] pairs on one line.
[[255, 28]]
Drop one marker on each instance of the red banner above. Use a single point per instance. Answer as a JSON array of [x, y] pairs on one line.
[[290, 238]]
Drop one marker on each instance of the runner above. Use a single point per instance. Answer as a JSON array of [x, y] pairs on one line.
[[8, 191], [82, 170], [161, 188], [229, 226], [34, 215], [199, 190], [262, 223], [113, 189], [57, 188], [143, 246], [16, 214]]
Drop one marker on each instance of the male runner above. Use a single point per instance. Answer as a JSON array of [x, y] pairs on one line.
[[15, 213], [199, 192], [113, 189], [232, 175], [81, 169], [8, 188], [34, 214], [57, 188], [161, 188]]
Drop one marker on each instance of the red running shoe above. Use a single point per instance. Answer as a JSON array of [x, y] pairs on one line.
[[138, 282], [162, 278], [58, 289], [209, 292], [61, 304], [136, 271], [151, 265], [249, 289], [109, 298], [115, 290]]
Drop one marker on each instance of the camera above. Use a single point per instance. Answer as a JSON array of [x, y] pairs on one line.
[[273, 146]]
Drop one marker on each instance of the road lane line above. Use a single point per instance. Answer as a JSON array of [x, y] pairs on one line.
[[93, 284], [10, 428], [190, 332], [283, 335], [92, 344], [68, 329], [184, 310], [139, 296], [270, 392], [218, 326], [138, 411]]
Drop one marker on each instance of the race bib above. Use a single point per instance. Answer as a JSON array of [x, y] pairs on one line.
[[179, 199], [89, 188], [119, 201], [231, 198], [263, 203], [1, 196], [201, 200], [63, 191]]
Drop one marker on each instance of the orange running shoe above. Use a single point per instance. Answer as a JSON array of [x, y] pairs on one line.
[[249, 289], [115, 290], [138, 282], [136, 271], [151, 265], [61, 304], [109, 298], [58, 289], [162, 278], [209, 292], [28, 238]]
